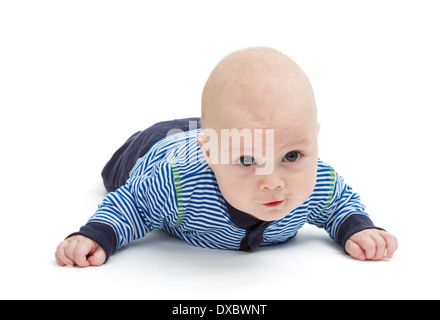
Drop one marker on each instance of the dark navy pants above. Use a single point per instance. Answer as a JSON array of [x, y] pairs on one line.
[[117, 169]]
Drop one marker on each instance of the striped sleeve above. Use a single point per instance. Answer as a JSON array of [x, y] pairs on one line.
[[341, 203], [143, 204]]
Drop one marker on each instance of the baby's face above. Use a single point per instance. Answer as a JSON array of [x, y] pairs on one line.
[[288, 173], [272, 175]]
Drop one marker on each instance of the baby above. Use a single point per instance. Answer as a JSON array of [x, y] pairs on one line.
[[247, 174]]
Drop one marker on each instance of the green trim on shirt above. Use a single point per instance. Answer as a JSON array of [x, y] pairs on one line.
[[331, 189], [178, 186]]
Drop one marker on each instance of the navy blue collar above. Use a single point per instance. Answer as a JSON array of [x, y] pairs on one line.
[[239, 218], [254, 229]]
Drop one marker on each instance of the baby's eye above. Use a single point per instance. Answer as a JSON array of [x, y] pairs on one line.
[[246, 161], [292, 156]]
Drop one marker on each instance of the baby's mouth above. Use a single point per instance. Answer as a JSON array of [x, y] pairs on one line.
[[273, 204]]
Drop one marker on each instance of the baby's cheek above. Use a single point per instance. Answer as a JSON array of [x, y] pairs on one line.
[[303, 188], [236, 193]]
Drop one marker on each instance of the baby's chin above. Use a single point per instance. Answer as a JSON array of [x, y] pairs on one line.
[[271, 215]]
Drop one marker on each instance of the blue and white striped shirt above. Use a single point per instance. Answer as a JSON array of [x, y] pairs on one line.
[[172, 188]]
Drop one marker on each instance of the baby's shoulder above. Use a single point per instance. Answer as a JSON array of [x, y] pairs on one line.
[[179, 150], [324, 169]]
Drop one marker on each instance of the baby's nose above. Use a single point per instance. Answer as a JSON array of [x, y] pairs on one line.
[[271, 182]]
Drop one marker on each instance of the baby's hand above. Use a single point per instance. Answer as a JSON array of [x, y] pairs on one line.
[[371, 244], [80, 251]]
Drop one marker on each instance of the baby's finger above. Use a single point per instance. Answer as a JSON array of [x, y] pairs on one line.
[[70, 249], [391, 242], [80, 253], [381, 246], [98, 257], [61, 257], [354, 250], [369, 247]]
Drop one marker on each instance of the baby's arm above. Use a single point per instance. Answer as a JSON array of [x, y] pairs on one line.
[[118, 218], [346, 221], [80, 251], [143, 204], [371, 244]]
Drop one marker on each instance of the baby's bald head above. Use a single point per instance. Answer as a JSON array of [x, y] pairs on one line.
[[260, 82], [260, 132]]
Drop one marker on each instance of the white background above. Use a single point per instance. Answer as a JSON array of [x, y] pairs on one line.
[[78, 77]]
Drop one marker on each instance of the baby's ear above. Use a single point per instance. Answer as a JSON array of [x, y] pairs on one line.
[[319, 127], [203, 145], [208, 142]]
